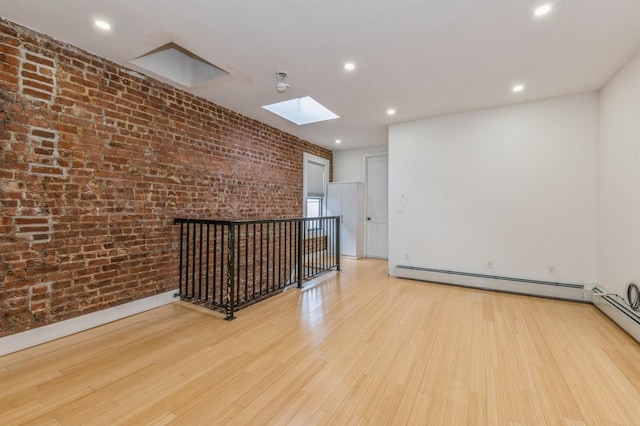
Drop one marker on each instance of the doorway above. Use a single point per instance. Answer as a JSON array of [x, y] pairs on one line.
[[377, 206]]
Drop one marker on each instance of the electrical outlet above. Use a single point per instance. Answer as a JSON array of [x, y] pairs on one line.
[[552, 269], [406, 256], [490, 264]]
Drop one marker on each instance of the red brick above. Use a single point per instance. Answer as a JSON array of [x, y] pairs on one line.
[[31, 220], [43, 133], [137, 153], [27, 75], [40, 289], [27, 229], [40, 60], [36, 94], [46, 170], [9, 70]]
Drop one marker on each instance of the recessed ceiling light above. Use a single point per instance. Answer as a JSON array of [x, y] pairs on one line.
[[349, 66], [102, 24], [517, 88], [542, 10], [338, 141], [391, 111]]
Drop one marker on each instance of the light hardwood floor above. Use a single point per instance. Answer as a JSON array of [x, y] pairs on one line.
[[357, 348]]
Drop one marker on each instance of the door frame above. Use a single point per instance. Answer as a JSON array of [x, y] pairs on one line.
[[366, 199]]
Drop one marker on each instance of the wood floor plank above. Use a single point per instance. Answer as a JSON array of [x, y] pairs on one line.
[[355, 347]]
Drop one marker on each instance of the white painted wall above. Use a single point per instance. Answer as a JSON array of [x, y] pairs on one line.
[[619, 180], [515, 185], [348, 165]]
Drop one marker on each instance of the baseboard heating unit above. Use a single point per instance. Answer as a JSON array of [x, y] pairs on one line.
[[618, 310], [612, 305], [556, 290]]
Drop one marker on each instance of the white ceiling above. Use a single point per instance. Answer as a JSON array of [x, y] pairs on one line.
[[422, 57]]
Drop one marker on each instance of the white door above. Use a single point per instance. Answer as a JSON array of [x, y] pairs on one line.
[[377, 194], [345, 199]]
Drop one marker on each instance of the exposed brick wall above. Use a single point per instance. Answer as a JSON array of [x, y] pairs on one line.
[[95, 162]]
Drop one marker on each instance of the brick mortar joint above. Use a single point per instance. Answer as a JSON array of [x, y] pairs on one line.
[[24, 81]]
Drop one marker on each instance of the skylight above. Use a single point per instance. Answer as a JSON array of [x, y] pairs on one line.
[[179, 65], [304, 110]]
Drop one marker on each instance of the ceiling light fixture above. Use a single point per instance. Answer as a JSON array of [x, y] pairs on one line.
[[281, 85], [391, 111], [103, 25], [517, 88], [349, 66], [338, 141], [542, 10]]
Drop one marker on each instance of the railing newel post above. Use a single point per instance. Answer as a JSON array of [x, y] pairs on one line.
[[338, 243], [181, 293]]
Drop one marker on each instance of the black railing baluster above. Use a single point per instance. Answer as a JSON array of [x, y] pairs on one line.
[[224, 235], [300, 248], [206, 289], [193, 265], [327, 258], [238, 259], [180, 260], [329, 243], [325, 241], [280, 284], [231, 299], [200, 263], [261, 255], [268, 273], [323, 250], [290, 264], [333, 242], [215, 264], [246, 261], [273, 258], [327, 236], [333, 246], [186, 269], [253, 263]]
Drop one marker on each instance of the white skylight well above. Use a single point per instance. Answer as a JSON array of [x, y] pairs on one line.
[[179, 65], [304, 110]]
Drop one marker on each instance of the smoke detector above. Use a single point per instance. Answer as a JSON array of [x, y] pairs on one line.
[[281, 85]]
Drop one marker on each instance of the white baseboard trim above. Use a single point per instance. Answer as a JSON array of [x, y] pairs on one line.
[[26, 339], [616, 308], [554, 290]]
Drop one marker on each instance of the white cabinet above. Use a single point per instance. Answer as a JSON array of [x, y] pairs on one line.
[[346, 199]]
